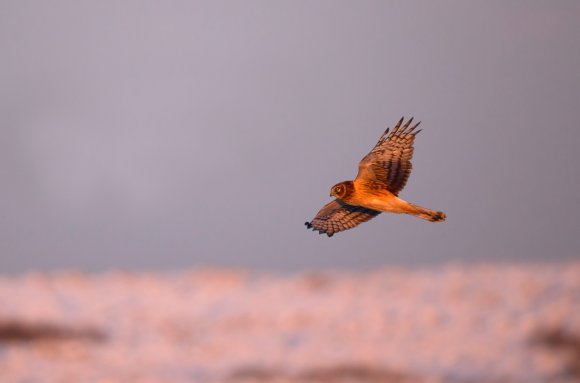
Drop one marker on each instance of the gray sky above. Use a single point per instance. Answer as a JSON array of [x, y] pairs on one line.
[[145, 134]]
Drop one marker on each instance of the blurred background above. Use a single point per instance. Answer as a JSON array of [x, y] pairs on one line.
[[168, 153], [158, 135]]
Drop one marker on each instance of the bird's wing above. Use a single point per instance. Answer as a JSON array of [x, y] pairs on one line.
[[388, 165], [338, 216]]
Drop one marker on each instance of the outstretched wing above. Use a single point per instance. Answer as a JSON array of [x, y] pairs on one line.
[[388, 165], [338, 216]]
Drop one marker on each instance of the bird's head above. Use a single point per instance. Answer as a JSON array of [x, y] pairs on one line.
[[342, 189]]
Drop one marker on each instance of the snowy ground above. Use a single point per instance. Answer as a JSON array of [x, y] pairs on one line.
[[483, 323]]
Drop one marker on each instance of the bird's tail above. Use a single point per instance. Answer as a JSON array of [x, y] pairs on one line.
[[426, 214]]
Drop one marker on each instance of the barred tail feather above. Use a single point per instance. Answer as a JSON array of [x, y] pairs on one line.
[[427, 214]]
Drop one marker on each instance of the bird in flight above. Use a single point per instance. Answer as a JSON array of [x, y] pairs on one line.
[[382, 174]]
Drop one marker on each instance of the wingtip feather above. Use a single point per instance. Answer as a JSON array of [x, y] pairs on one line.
[[398, 126], [408, 123], [409, 132], [384, 134]]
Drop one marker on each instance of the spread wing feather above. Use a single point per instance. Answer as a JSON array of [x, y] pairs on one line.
[[338, 216], [388, 164]]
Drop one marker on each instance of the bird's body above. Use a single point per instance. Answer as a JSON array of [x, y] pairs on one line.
[[382, 174], [376, 199], [384, 201]]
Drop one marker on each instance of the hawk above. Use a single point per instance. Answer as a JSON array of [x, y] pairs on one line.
[[382, 174]]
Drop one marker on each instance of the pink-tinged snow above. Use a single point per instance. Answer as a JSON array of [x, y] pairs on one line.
[[479, 323]]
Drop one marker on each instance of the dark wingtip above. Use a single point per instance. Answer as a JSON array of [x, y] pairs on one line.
[[320, 232], [398, 126], [411, 131]]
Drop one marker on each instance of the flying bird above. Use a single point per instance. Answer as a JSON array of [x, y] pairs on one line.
[[382, 174]]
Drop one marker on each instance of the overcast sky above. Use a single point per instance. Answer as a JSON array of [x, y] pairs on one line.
[[162, 135]]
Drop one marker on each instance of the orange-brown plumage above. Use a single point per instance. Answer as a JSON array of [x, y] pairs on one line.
[[382, 174]]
